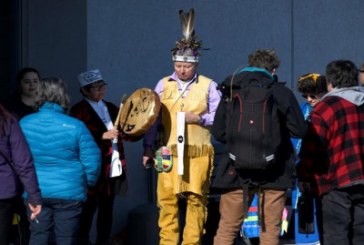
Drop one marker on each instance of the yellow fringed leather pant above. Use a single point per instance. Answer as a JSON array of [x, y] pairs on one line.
[[196, 214], [169, 188]]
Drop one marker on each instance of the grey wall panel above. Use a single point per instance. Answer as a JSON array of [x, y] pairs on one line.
[[131, 42], [325, 31]]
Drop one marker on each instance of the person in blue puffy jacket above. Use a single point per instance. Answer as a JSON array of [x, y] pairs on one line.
[[67, 162]]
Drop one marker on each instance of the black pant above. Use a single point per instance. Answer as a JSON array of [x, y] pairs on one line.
[[23, 222], [343, 212], [6, 215], [19, 234], [104, 204]]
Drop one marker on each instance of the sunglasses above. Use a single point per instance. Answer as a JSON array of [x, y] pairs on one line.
[[312, 96], [99, 86]]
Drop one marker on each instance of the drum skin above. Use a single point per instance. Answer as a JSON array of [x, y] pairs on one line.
[[139, 112]]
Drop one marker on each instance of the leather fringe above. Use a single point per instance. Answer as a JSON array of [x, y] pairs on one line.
[[194, 150]]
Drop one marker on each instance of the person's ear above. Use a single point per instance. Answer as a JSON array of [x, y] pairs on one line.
[[329, 87]]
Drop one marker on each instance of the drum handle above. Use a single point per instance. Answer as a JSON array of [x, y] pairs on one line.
[[127, 114]]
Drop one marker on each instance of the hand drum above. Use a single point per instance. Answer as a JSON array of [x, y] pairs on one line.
[[139, 112]]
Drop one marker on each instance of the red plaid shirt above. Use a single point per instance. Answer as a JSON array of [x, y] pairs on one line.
[[333, 150]]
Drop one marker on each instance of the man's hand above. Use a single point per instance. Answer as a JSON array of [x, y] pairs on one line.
[[148, 162], [111, 134], [192, 117], [35, 210], [304, 187]]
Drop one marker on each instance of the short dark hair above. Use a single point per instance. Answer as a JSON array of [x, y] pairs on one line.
[[342, 73], [264, 58], [312, 83]]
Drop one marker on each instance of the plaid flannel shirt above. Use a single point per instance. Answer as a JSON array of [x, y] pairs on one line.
[[333, 150]]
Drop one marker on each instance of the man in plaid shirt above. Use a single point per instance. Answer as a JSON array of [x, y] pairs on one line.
[[333, 154]]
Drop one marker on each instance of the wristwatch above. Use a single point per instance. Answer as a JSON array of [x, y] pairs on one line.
[[200, 120]]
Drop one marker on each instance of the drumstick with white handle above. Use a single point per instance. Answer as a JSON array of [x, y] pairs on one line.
[[116, 168], [123, 99]]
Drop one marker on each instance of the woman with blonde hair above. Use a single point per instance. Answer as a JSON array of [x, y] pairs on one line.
[[67, 161]]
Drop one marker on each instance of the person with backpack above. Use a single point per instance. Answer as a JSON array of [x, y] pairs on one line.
[[255, 120]]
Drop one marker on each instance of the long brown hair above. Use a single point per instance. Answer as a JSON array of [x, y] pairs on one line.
[[19, 77]]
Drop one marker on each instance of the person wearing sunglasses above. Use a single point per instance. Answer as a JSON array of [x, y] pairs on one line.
[[312, 86], [99, 116]]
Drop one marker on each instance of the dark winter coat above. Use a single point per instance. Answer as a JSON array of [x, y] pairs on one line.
[[282, 173], [16, 164], [84, 111]]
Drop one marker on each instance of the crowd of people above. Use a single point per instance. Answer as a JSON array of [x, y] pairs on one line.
[[55, 160]]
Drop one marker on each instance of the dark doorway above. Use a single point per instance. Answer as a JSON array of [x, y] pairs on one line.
[[10, 43]]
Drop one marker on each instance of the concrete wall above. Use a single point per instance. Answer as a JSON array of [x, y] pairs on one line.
[[130, 41], [54, 38], [324, 31]]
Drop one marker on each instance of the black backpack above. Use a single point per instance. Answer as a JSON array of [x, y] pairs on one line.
[[252, 123]]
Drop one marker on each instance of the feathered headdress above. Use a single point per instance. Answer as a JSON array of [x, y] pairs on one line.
[[187, 48]]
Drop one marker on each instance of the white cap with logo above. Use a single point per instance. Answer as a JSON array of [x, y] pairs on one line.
[[89, 77]]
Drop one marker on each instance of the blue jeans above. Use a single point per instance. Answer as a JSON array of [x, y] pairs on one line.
[[60, 216], [343, 212]]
